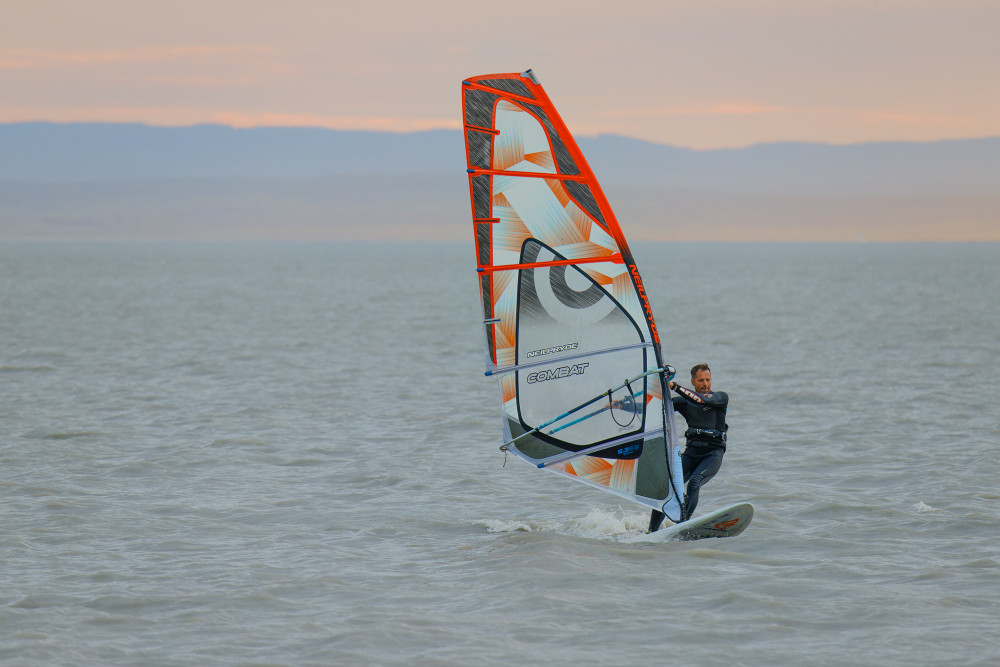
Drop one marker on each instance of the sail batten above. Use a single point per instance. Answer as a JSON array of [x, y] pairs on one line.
[[526, 174], [564, 359], [560, 262], [565, 313]]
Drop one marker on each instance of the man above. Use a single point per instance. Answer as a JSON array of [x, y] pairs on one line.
[[705, 414]]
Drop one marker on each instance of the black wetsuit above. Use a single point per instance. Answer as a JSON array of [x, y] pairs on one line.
[[706, 443]]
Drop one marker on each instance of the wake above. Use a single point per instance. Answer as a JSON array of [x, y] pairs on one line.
[[599, 524]]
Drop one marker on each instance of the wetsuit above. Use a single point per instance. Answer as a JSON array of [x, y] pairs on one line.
[[706, 443]]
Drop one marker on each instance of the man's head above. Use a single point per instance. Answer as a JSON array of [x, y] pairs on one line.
[[701, 378]]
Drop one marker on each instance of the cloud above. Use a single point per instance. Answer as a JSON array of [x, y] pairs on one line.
[[736, 108], [14, 64], [922, 119], [182, 117], [373, 123], [746, 109], [38, 59]]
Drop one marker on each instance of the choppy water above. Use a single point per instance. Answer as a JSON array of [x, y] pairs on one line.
[[217, 454]]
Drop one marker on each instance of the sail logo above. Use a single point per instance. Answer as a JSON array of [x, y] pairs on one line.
[[557, 373], [645, 301], [628, 450], [550, 350]]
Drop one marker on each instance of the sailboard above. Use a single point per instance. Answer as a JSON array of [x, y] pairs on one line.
[[726, 522], [569, 331]]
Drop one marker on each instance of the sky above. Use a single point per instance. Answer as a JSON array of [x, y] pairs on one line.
[[695, 73]]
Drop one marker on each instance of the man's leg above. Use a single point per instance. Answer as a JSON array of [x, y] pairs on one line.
[[656, 517], [702, 472], [697, 471], [688, 464]]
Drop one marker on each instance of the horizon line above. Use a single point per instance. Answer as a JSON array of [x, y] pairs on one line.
[[443, 128], [638, 241]]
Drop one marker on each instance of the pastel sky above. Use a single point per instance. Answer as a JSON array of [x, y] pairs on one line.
[[698, 73]]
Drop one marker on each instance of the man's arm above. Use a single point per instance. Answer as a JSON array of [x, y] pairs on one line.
[[715, 399]]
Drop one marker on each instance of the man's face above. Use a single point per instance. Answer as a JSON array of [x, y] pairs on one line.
[[702, 382]]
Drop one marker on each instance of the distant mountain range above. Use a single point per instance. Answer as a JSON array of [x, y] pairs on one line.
[[137, 181]]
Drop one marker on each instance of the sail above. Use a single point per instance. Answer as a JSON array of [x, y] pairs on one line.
[[569, 332]]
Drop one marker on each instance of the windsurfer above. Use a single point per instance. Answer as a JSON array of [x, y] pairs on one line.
[[705, 413]]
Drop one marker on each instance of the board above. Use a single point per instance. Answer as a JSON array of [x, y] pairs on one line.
[[727, 522]]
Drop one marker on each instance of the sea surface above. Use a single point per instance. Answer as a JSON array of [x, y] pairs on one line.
[[286, 454]]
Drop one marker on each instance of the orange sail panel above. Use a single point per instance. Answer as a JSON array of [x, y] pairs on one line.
[[569, 331]]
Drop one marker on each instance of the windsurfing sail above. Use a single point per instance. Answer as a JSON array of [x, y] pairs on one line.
[[569, 331]]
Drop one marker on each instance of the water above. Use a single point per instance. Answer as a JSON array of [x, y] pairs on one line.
[[216, 454]]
